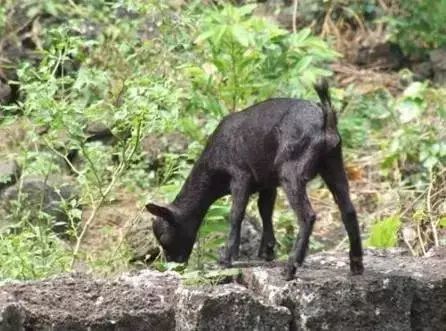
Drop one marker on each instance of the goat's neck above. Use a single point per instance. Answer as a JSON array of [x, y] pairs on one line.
[[196, 196]]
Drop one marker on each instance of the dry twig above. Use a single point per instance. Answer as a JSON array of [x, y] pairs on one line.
[[295, 6]]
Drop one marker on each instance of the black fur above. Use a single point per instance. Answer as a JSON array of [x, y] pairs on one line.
[[279, 142]]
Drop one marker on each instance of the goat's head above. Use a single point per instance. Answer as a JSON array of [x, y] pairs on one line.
[[174, 238]]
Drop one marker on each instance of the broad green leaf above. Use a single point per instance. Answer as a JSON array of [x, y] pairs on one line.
[[204, 36], [247, 9], [409, 110], [303, 64], [242, 35], [220, 34], [430, 162], [414, 90], [384, 233], [301, 35]]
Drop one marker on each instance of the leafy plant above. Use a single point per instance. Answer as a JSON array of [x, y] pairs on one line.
[[212, 277], [363, 115], [248, 59], [212, 234], [72, 87], [34, 252], [384, 233], [416, 140], [420, 26]]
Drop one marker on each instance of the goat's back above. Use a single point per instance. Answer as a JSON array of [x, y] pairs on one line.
[[262, 136]]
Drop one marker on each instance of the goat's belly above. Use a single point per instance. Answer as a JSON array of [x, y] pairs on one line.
[[265, 179]]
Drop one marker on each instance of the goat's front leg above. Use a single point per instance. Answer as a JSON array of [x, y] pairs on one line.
[[240, 197], [265, 204], [295, 189]]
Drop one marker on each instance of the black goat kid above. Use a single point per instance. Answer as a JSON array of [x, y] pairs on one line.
[[279, 142]]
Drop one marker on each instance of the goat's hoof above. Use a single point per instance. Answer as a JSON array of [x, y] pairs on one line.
[[289, 272], [356, 266], [225, 262], [266, 250], [267, 255]]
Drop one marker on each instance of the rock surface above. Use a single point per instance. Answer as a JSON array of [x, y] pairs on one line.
[[438, 61], [250, 237], [227, 307], [12, 135], [384, 55], [155, 147], [397, 292], [141, 241], [5, 92], [35, 195], [119, 221], [76, 302], [9, 173]]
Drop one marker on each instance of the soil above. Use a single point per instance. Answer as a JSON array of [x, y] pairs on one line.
[[121, 225]]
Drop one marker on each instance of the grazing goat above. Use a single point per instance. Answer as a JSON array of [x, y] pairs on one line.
[[279, 142]]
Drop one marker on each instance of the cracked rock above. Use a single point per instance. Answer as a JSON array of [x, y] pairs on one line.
[[396, 292], [227, 307], [9, 173], [37, 194], [77, 302]]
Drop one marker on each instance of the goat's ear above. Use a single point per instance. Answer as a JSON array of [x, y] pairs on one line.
[[161, 211]]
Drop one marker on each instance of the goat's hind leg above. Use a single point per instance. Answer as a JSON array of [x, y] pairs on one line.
[[333, 173], [294, 184], [265, 204]]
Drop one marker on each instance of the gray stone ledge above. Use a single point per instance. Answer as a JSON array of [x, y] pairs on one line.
[[397, 292]]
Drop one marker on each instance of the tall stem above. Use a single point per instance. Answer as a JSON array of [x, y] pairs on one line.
[[295, 5], [121, 167], [235, 86]]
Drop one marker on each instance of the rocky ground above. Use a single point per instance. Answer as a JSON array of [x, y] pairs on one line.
[[397, 292]]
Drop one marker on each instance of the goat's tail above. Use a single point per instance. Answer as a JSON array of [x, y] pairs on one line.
[[323, 92]]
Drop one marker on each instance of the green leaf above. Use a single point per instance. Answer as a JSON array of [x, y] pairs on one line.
[[415, 90], [197, 277], [430, 162], [218, 36], [301, 35], [174, 266], [204, 36], [241, 35], [224, 273], [384, 233], [303, 64], [409, 110], [247, 9]]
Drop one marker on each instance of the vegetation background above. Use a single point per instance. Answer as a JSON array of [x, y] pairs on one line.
[[105, 105]]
